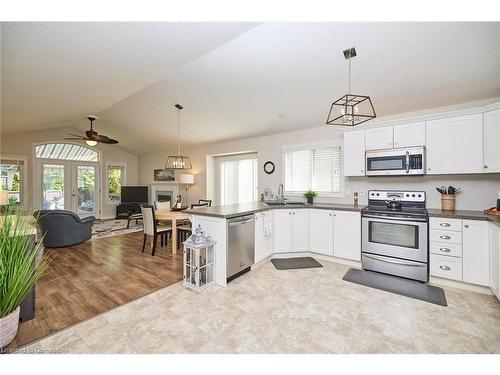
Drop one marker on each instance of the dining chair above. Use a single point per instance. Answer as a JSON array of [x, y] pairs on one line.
[[162, 205], [203, 201], [185, 230], [151, 228]]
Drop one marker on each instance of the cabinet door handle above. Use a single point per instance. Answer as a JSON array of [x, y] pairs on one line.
[[444, 249], [485, 166], [445, 268], [445, 237], [444, 224], [466, 225]]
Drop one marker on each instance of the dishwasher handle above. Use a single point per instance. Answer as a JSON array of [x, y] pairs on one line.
[[240, 220]]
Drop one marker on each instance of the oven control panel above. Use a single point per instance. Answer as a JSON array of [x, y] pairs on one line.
[[394, 195]]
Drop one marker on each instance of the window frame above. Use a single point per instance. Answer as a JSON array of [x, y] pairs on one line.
[[24, 176], [314, 146], [106, 175]]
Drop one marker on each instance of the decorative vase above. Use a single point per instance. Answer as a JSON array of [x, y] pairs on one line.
[[8, 327], [448, 202], [310, 200]]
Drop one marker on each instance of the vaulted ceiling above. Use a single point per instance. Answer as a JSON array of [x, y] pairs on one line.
[[234, 79]]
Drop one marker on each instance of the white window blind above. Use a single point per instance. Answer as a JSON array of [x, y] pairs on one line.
[[315, 168], [238, 179]]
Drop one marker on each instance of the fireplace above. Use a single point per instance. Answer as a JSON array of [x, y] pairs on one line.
[[163, 192], [164, 196]]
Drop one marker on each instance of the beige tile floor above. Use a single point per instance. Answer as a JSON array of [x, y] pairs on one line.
[[295, 311]]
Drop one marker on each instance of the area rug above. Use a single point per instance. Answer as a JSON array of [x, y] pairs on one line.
[[108, 228], [397, 285], [295, 263]]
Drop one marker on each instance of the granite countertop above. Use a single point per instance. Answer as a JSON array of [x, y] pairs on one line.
[[463, 214], [234, 210]]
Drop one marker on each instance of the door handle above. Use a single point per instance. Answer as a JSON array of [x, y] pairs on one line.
[[445, 237], [445, 268], [444, 249], [444, 224]]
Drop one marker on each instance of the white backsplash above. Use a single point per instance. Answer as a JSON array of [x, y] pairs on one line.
[[478, 191]]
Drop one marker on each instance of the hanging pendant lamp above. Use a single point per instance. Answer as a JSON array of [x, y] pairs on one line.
[[178, 161], [350, 109]]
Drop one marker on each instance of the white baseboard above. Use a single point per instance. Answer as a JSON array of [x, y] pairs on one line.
[[438, 281]]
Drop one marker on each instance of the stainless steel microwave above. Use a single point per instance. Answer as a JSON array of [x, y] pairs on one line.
[[396, 162]]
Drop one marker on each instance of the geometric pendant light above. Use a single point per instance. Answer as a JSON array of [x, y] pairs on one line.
[[178, 161], [350, 109]]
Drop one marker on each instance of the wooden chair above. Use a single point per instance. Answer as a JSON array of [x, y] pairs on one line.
[[151, 228]]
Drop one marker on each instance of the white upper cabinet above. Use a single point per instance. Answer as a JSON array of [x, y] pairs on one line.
[[321, 231], [491, 141], [476, 252], [347, 235], [354, 153], [379, 138], [409, 135], [455, 145]]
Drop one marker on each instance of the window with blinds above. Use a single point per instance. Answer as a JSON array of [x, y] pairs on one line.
[[317, 169]]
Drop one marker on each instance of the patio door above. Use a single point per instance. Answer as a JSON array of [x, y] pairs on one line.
[[70, 185]]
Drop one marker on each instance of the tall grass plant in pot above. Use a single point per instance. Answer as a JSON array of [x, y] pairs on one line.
[[19, 269]]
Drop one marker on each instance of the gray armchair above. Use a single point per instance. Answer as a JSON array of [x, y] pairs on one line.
[[63, 228]]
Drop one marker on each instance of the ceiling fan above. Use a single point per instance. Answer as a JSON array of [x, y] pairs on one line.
[[91, 137]]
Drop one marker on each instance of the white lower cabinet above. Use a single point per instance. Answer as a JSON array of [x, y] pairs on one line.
[[264, 244], [495, 258], [282, 231], [321, 231], [347, 235], [291, 230], [476, 252]]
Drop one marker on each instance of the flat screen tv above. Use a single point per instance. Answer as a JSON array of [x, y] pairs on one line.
[[135, 194]]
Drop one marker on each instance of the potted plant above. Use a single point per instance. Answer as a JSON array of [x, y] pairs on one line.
[[310, 196], [19, 269]]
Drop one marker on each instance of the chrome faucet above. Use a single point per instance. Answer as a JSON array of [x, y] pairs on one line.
[[280, 193]]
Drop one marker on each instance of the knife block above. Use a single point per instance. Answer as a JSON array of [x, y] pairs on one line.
[[448, 202]]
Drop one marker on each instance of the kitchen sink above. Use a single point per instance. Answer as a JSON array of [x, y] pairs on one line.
[[286, 203]]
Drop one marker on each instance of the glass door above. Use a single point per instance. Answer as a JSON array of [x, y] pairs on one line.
[[54, 186], [84, 195]]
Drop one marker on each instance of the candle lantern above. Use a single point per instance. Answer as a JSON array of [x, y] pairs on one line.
[[199, 260]]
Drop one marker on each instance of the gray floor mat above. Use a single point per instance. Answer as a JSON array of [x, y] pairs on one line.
[[295, 263], [397, 285]]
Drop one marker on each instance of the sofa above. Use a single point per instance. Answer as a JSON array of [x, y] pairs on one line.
[[63, 228]]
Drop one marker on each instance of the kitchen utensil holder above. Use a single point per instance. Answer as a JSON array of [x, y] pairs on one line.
[[448, 202]]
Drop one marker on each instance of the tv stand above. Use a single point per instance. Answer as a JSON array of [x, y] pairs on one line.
[[124, 210]]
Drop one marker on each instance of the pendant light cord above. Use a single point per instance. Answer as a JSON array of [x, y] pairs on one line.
[[178, 131]]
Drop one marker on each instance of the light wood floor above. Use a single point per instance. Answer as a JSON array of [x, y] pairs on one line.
[[93, 277]]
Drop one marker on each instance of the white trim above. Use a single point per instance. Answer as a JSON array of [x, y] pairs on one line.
[[337, 142], [24, 181], [105, 197]]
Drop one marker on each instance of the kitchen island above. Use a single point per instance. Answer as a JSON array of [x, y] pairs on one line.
[[290, 229]]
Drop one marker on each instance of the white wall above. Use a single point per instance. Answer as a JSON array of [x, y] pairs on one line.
[[478, 191], [22, 144]]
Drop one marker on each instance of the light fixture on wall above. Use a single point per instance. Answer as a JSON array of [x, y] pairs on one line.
[[350, 109], [188, 180], [178, 161]]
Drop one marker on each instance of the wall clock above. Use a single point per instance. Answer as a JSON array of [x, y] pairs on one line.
[[269, 167]]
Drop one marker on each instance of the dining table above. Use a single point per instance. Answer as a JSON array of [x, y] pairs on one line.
[[166, 214]]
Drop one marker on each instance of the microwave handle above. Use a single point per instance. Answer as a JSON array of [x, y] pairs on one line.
[[407, 162]]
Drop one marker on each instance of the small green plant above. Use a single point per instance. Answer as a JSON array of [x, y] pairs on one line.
[[310, 194], [19, 271]]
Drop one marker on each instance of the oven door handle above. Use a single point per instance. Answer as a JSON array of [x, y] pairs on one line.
[[395, 261], [389, 220]]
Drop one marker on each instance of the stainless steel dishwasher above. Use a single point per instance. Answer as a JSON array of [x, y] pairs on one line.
[[240, 245]]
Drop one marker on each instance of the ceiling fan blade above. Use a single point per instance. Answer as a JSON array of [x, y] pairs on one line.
[[110, 141], [76, 138], [75, 135]]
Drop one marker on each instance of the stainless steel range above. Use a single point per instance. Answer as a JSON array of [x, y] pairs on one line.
[[395, 232]]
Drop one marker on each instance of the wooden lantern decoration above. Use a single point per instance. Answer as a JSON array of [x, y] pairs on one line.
[[199, 260]]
